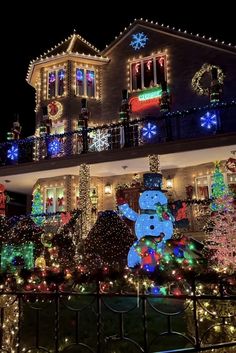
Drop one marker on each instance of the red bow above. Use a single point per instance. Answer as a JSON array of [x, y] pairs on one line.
[[60, 201], [49, 201]]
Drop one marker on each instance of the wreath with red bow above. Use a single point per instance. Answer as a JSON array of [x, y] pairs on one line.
[[231, 165]]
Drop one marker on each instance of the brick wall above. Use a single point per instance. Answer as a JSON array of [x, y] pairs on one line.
[[185, 58]]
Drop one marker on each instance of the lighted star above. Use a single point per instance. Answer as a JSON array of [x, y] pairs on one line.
[[139, 40]]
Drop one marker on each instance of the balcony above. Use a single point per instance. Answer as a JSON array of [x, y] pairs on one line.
[[192, 129]]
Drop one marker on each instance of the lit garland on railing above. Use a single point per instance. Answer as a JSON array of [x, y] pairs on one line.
[[34, 139]]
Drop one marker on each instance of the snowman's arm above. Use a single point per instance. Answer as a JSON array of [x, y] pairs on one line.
[[128, 212]]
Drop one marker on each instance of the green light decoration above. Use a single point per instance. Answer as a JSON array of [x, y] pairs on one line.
[[13, 256], [37, 206], [219, 189], [150, 94]]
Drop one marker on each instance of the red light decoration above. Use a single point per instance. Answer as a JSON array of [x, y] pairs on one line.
[[146, 99], [137, 105]]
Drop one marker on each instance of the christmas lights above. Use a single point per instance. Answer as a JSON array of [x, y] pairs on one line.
[[85, 203], [139, 40], [197, 78], [37, 206]]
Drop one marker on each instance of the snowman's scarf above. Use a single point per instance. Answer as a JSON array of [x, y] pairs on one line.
[[143, 211]]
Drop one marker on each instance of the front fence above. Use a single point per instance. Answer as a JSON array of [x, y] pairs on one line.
[[115, 323]]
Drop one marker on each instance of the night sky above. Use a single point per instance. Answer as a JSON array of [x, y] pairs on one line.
[[37, 27]]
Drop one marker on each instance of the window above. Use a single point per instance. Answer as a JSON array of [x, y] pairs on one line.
[[56, 83], [148, 72], [57, 127], [231, 180], [85, 82], [54, 200], [204, 185]]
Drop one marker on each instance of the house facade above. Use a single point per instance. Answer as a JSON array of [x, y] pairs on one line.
[[153, 90]]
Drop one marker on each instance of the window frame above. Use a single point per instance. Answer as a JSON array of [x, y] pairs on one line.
[[209, 183], [56, 70], [141, 61], [57, 125], [54, 198], [85, 94]]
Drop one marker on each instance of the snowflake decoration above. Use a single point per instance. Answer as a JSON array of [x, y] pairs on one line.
[[99, 140], [139, 40], [149, 130], [208, 120], [54, 147], [13, 152]]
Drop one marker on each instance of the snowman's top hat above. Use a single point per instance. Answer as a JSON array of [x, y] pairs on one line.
[[152, 181]]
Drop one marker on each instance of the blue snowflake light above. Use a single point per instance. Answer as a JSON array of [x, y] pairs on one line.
[[54, 147], [12, 153], [208, 120], [149, 130], [139, 40]]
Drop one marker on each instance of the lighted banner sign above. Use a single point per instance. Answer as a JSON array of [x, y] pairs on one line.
[[146, 99]]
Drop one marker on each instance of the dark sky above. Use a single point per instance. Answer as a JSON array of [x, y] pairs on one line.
[[34, 28]]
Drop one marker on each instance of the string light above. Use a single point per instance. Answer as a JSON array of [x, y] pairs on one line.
[[197, 78], [85, 202]]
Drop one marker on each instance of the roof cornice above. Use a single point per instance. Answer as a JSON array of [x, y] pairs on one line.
[[202, 40]]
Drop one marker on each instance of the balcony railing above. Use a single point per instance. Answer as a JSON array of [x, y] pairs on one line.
[[189, 124]]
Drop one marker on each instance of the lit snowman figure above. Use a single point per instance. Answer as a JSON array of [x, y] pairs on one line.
[[153, 220]]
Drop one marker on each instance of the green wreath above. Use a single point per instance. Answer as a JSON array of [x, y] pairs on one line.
[[205, 69]]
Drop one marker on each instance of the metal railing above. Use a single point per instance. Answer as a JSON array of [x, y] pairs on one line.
[[178, 125], [108, 322]]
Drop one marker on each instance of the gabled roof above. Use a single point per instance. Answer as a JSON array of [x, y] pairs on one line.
[[173, 32], [73, 44]]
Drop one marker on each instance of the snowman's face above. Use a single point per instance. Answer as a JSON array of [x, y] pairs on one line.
[[151, 198]]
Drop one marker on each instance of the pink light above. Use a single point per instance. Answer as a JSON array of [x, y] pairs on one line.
[[149, 64], [137, 66], [161, 61]]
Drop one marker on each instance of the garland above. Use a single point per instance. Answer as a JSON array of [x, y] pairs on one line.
[[177, 114], [38, 280], [205, 69]]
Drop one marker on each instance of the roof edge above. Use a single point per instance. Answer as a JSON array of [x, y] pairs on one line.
[[172, 31]]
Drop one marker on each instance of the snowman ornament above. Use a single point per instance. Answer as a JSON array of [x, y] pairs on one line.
[[154, 220]]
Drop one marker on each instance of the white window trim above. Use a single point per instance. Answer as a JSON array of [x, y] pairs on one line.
[[208, 184], [54, 197], [141, 60], [85, 95], [56, 90], [56, 125]]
